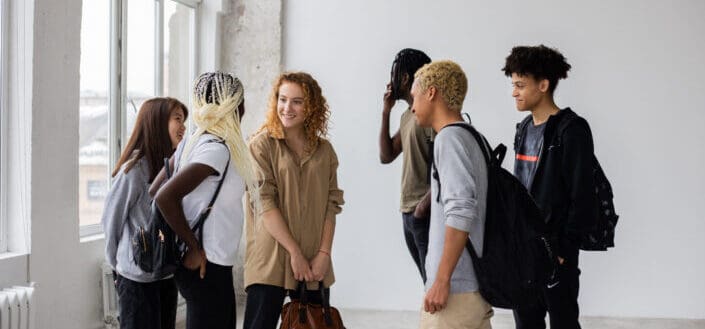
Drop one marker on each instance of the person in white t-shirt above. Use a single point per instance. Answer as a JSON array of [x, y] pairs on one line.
[[216, 151]]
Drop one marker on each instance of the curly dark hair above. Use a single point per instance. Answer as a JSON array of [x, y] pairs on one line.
[[540, 62]]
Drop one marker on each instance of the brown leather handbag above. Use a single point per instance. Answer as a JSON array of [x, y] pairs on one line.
[[301, 314]]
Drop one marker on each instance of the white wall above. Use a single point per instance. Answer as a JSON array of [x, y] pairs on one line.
[[637, 77]]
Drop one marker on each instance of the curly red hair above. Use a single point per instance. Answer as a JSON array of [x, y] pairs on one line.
[[315, 108]]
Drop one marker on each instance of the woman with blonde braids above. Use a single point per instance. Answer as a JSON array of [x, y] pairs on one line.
[[291, 238], [215, 152]]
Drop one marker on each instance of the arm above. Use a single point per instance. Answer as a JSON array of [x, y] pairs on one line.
[[453, 247], [579, 177], [169, 198], [320, 264], [460, 200], [118, 202], [274, 224], [160, 178], [389, 147]]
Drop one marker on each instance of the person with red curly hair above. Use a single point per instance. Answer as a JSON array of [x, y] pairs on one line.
[[290, 239]]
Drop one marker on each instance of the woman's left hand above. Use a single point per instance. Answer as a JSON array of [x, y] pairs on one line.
[[320, 264]]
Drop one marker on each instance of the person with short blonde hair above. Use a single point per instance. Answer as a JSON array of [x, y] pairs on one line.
[[448, 77], [458, 206]]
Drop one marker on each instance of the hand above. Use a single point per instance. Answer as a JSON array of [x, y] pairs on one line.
[[194, 259], [320, 264], [421, 212], [561, 260], [388, 99], [437, 297], [301, 267]]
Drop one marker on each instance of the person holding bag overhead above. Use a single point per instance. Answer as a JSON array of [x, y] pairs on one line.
[[291, 238], [213, 169], [145, 300]]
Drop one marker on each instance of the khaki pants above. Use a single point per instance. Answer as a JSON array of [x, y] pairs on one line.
[[463, 311]]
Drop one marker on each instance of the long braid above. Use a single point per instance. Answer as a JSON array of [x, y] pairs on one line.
[[217, 96]]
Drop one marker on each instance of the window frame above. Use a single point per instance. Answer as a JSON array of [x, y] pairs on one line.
[[117, 93], [3, 123]]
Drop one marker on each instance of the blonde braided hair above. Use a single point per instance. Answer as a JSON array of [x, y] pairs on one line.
[[217, 97]]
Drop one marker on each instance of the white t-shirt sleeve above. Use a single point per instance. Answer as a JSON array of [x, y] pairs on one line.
[[212, 154]]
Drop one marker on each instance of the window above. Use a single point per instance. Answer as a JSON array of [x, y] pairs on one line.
[[131, 50], [3, 122]]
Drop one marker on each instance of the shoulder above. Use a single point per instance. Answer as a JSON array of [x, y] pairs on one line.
[[138, 173], [261, 140], [573, 125]]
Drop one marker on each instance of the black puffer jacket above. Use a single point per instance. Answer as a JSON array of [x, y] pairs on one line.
[[564, 181]]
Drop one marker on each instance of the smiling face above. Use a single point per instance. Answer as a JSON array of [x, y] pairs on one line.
[[527, 91], [422, 106], [177, 129], [290, 105]]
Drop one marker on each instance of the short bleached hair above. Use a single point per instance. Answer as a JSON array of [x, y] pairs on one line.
[[448, 78]]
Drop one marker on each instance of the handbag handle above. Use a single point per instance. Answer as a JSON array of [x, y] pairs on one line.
[[325, 303]]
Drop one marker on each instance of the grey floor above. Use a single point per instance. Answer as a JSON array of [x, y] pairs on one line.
[[370, 319]]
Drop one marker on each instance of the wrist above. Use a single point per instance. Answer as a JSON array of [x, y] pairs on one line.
[[325, 252]]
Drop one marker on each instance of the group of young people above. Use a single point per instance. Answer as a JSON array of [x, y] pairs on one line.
[[287, 175], [438, 219]]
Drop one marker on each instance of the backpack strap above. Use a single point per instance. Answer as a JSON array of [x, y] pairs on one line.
[[492, 157], [204, 214]]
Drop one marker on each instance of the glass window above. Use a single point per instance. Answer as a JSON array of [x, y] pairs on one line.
[[141, 58], [178, 60], [93, 109], [3, 106], [152, 44]]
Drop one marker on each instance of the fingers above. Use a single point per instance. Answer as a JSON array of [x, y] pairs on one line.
[[433, 305], [204, 261]]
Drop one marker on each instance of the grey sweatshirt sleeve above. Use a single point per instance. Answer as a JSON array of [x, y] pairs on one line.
[[459, 194], [123, 194]]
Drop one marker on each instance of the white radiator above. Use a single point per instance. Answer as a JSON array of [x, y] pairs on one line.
[[110, 301], [17, 307]]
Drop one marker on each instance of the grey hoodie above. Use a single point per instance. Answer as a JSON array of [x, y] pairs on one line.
[[127, 207]]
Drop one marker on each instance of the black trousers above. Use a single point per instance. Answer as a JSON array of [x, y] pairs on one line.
[[416, 236], [264, 304], [560, 301], [210, 302], [149, 305]]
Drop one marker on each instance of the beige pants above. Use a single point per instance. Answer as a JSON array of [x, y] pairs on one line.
[[463, 311]]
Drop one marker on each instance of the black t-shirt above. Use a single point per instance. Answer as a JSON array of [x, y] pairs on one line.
[[527, 158]]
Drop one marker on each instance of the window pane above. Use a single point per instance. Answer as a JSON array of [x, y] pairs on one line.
[[2, 132], [140, 58], [93, 112], [177, 58]]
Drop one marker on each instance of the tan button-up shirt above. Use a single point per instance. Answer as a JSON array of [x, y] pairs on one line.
[[306, 192]]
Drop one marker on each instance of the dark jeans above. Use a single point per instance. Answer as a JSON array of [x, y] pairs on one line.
[[416, 236], [560, 301], [264, 304], [210, 302], [149, 305]]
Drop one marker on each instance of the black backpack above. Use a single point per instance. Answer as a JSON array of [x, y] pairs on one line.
[[601, 235], [156, 249], [517, 260]]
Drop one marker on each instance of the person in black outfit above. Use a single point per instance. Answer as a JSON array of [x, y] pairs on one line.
[[556, 169]]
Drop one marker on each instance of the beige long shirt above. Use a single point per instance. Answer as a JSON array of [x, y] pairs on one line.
[[306, 193], [415, 155]]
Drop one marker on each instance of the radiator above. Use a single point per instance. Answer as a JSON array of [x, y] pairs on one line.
[[17, 307], [110, 301]]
